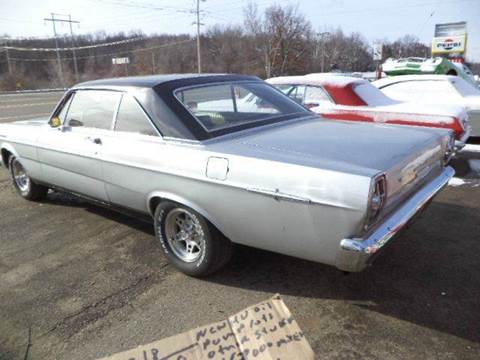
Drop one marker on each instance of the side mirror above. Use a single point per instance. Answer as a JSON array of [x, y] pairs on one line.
[[55, 122], [75, 123], [311, 105]]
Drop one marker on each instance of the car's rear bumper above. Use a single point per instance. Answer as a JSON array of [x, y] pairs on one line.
[[460, 143], [356, 253]]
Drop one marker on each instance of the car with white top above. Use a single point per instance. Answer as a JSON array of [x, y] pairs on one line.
[[339, 97], [437, 90]]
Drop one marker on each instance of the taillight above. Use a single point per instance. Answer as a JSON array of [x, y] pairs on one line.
[[378, 194], [461, 123]]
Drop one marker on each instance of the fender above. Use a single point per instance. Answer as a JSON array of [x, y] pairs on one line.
[[179, 199]]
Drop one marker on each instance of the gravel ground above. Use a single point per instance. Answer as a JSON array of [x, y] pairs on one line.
[[79, 282]]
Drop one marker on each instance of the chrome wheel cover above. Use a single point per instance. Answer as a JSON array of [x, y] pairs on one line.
[[20, 176], [185, 235]]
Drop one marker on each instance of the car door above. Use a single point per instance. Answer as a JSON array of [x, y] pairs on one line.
[[70, 154], [133, 156]]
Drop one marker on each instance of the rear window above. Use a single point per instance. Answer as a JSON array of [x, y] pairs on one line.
[[371, 95], [221, 106]]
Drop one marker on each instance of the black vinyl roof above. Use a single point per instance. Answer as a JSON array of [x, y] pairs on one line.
[[151, 81], [156, 95]]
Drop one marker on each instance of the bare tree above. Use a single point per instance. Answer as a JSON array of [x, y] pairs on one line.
[[282, 36], [406, 46]]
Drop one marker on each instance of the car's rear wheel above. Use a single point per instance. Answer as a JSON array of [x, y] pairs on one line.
[[189, 241], [22, 182]]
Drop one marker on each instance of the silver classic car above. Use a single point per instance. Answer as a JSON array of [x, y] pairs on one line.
[[212, 171]]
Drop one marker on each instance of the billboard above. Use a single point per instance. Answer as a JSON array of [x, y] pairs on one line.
[[449, 44], [450, 39]]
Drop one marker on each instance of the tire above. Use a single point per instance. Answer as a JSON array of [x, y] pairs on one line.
[[24, 185], [189, 241]]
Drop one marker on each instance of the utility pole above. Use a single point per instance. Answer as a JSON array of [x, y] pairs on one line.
[[75, 66], [9, 65], [7, 55], [199, 55], [70, 21], [153, 63], [59, 61], [321, 37]]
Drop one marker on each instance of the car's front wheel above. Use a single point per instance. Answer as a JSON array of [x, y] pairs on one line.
[[189, 241], [22, 182]]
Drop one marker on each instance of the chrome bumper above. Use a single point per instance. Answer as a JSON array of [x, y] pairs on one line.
[[355, 254], [460, 144]]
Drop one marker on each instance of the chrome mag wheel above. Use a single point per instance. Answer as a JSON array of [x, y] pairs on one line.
[[20, 176], [185, 235]]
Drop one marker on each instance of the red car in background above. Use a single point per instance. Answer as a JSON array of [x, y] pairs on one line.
[[340, 97]]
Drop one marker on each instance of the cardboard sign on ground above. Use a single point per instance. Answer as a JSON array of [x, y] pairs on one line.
[[263, 331]]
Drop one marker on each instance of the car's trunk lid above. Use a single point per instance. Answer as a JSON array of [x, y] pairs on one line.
[[406, 155]]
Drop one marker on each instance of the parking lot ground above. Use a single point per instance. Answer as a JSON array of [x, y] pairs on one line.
[[78, 282]]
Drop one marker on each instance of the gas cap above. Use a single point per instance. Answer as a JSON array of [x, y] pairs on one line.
[[217, 168]]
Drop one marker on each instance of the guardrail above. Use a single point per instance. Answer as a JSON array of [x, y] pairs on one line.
[[35, 91]]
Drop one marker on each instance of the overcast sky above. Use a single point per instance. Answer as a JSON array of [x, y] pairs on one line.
[[375, 19]]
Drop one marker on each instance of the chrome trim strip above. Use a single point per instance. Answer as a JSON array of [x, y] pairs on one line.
[[277, 195], [354, 253]]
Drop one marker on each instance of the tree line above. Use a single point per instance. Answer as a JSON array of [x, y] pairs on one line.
[[278, 41]]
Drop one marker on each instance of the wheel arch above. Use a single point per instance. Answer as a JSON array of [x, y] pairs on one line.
[[157, 197], [7, 150]]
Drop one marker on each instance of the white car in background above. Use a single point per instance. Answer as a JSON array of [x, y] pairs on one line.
[[347, 98], [435, 89]]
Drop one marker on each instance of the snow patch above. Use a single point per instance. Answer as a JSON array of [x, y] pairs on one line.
[[332, 79], [474, 165], [472, 148], [456, 182]]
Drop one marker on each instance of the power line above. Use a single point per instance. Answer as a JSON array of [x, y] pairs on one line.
[[109, 54], [75, 48], [373, 10], [144, 6]]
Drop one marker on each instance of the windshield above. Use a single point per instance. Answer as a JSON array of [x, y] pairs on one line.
[[226, 105]]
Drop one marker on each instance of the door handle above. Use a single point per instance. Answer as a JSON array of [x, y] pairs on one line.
[[94, 140]]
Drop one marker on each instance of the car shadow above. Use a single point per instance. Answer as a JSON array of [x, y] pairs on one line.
[[132, 219], [429, 276]]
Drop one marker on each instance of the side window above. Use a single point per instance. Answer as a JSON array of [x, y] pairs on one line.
[[315, 96], [92, 108], [63, 112], [130, 118], [297, 93]]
